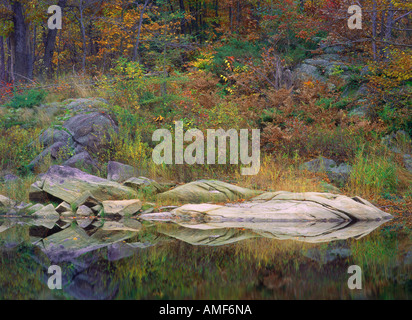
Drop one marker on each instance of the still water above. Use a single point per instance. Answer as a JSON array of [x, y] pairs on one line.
[[131, 259]]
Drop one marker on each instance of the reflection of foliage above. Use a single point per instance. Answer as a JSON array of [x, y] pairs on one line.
[[20, 275], [377, 255], [171, 269]]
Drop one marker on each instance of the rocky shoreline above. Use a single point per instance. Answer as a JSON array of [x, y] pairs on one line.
[[78, 194]]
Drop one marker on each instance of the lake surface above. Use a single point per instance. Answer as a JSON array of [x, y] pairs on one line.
[[132, 259]]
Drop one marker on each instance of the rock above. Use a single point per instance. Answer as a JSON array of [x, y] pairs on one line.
[[123, 208], [88, 131], [306, 72], [51, 136], [142, 183], [398, 141], [9, 177], [93, 130], [340, 175], [328, 188], [337, 174], [120, 172], [58, 150], [35, 208], [207, 191], [320, 164], [86, 199], [363, 90], [333, 49], [334, 68], [97, 208], [82, 160], [36, 193], [86, 104], [361, 110], [6, 202], [365, 71], [329, 67], [317, 62], [407, 160], [84, 211], [70, 184], [23, 207], [48, 212], [64, 208], [287, 206]]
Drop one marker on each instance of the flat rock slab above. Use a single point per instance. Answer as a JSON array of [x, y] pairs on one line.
[[123, 208], [208, 191], [143, 183], [287, 206], [70, 184]]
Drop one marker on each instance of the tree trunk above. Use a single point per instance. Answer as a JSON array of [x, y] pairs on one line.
[[374, 27], [136, 46], [21, 49], [83, 37], [2, 63], [50, 45], [182, 22]]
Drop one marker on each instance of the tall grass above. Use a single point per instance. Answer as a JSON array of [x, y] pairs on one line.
[[373, 175], [19, 189]]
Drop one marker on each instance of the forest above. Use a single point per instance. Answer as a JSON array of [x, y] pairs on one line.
[[332, 102]]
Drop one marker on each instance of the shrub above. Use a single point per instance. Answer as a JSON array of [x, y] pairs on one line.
[[233, 48], [28, 99], [14, 148]]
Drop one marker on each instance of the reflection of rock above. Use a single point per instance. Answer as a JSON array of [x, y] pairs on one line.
[[287, 206], [208, 191], [92, 284], [65, 209], [205, 234], [121, 250], [123, 225], [327, 256], [311, 232], [69, 184], [84, 211], [46, 216], [73, 242]]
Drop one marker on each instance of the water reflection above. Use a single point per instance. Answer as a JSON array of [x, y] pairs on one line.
[[131, 259]]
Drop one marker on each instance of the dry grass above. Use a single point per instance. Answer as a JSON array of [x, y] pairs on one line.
[[280, 174], [19, 189]]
